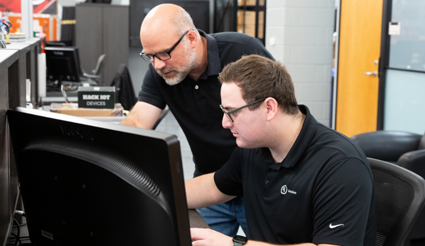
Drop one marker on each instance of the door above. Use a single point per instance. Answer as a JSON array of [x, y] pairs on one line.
[[358, 56]]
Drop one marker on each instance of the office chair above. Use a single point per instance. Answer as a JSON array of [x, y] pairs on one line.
[[95, 75], [161, 117], [399, 198], [406, 150]]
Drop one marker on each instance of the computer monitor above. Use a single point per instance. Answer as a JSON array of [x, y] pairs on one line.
[[86, 182], [63, 64]]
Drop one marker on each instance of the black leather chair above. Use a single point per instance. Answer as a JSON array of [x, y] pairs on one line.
[[391, 145], [399, 198], [406, 150], [124, 90]]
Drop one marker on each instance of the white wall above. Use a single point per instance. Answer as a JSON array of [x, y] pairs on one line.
[[299, 34]]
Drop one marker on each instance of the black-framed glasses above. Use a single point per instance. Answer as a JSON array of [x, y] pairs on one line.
[[163, 56], [228, 113]]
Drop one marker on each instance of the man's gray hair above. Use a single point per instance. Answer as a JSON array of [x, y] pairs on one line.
[[183, 22]]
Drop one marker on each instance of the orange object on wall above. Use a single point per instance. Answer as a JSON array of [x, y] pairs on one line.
[[16, 23], [45, 25], [44, 22]]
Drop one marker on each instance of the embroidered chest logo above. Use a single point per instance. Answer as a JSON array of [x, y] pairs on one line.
[[284, 190], [335, 226]]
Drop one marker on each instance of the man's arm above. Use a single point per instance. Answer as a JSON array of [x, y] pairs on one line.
[[202, 192], [143, 115], [207, 237]]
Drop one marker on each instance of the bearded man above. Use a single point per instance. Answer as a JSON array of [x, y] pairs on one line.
[[183, 74]]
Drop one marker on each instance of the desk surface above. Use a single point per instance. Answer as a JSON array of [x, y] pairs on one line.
[[196, 220], [19, 45], [6, 54]]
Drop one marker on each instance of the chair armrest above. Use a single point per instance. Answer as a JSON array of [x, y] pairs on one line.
[[91, 76], [414, 161], [387, 145]]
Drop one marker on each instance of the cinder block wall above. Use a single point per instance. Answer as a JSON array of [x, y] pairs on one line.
[[299, 34]]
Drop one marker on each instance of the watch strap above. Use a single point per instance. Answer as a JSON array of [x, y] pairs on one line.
[[239, 240]]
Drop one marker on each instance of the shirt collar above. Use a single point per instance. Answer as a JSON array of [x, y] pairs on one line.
[[214, 64], [301, 143]]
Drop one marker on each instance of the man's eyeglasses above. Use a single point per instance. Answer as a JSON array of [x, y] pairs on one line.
[[228, 113], [163, 56]]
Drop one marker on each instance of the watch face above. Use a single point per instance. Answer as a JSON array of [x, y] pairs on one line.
[[240, 239]]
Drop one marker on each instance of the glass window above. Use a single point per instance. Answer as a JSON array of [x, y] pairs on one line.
[[407, 49]]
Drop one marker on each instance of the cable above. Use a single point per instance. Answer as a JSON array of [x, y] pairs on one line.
[[16, 240], [17, 237], [19, 232], [20, 225]]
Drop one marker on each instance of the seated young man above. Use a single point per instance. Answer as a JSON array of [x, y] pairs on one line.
[[303, 183]]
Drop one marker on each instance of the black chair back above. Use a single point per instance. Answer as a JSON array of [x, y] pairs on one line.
[[400, 196], [386, 145]]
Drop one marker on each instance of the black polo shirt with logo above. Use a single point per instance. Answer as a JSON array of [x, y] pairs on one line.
[[322, 192], [195, 104]]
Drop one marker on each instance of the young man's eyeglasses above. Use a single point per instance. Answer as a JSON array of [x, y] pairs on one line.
[[163, 56], [228, 113]]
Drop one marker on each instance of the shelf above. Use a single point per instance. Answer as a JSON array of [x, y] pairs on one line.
[[250, 17]]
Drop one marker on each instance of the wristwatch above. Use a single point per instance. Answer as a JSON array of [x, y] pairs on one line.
[[239, 240]]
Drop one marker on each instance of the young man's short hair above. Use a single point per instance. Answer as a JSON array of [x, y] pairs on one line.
[[260, 77]]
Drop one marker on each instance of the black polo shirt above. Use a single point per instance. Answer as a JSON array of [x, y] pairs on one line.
[[195, 104], [322, 192]]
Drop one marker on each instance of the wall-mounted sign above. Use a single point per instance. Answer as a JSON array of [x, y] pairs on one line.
[[394, 28]]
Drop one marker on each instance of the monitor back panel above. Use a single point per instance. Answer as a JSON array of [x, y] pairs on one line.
[[85, 182]]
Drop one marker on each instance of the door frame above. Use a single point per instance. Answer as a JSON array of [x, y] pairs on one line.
[[384, 61], [334, 88]]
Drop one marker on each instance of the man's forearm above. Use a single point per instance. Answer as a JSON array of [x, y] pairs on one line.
[[128, 122], [202, 192]]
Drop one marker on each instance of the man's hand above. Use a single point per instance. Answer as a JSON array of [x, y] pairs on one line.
[[208, 237]]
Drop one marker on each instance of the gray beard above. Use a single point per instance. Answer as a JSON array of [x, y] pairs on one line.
[[182, 72], [176, 79]]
